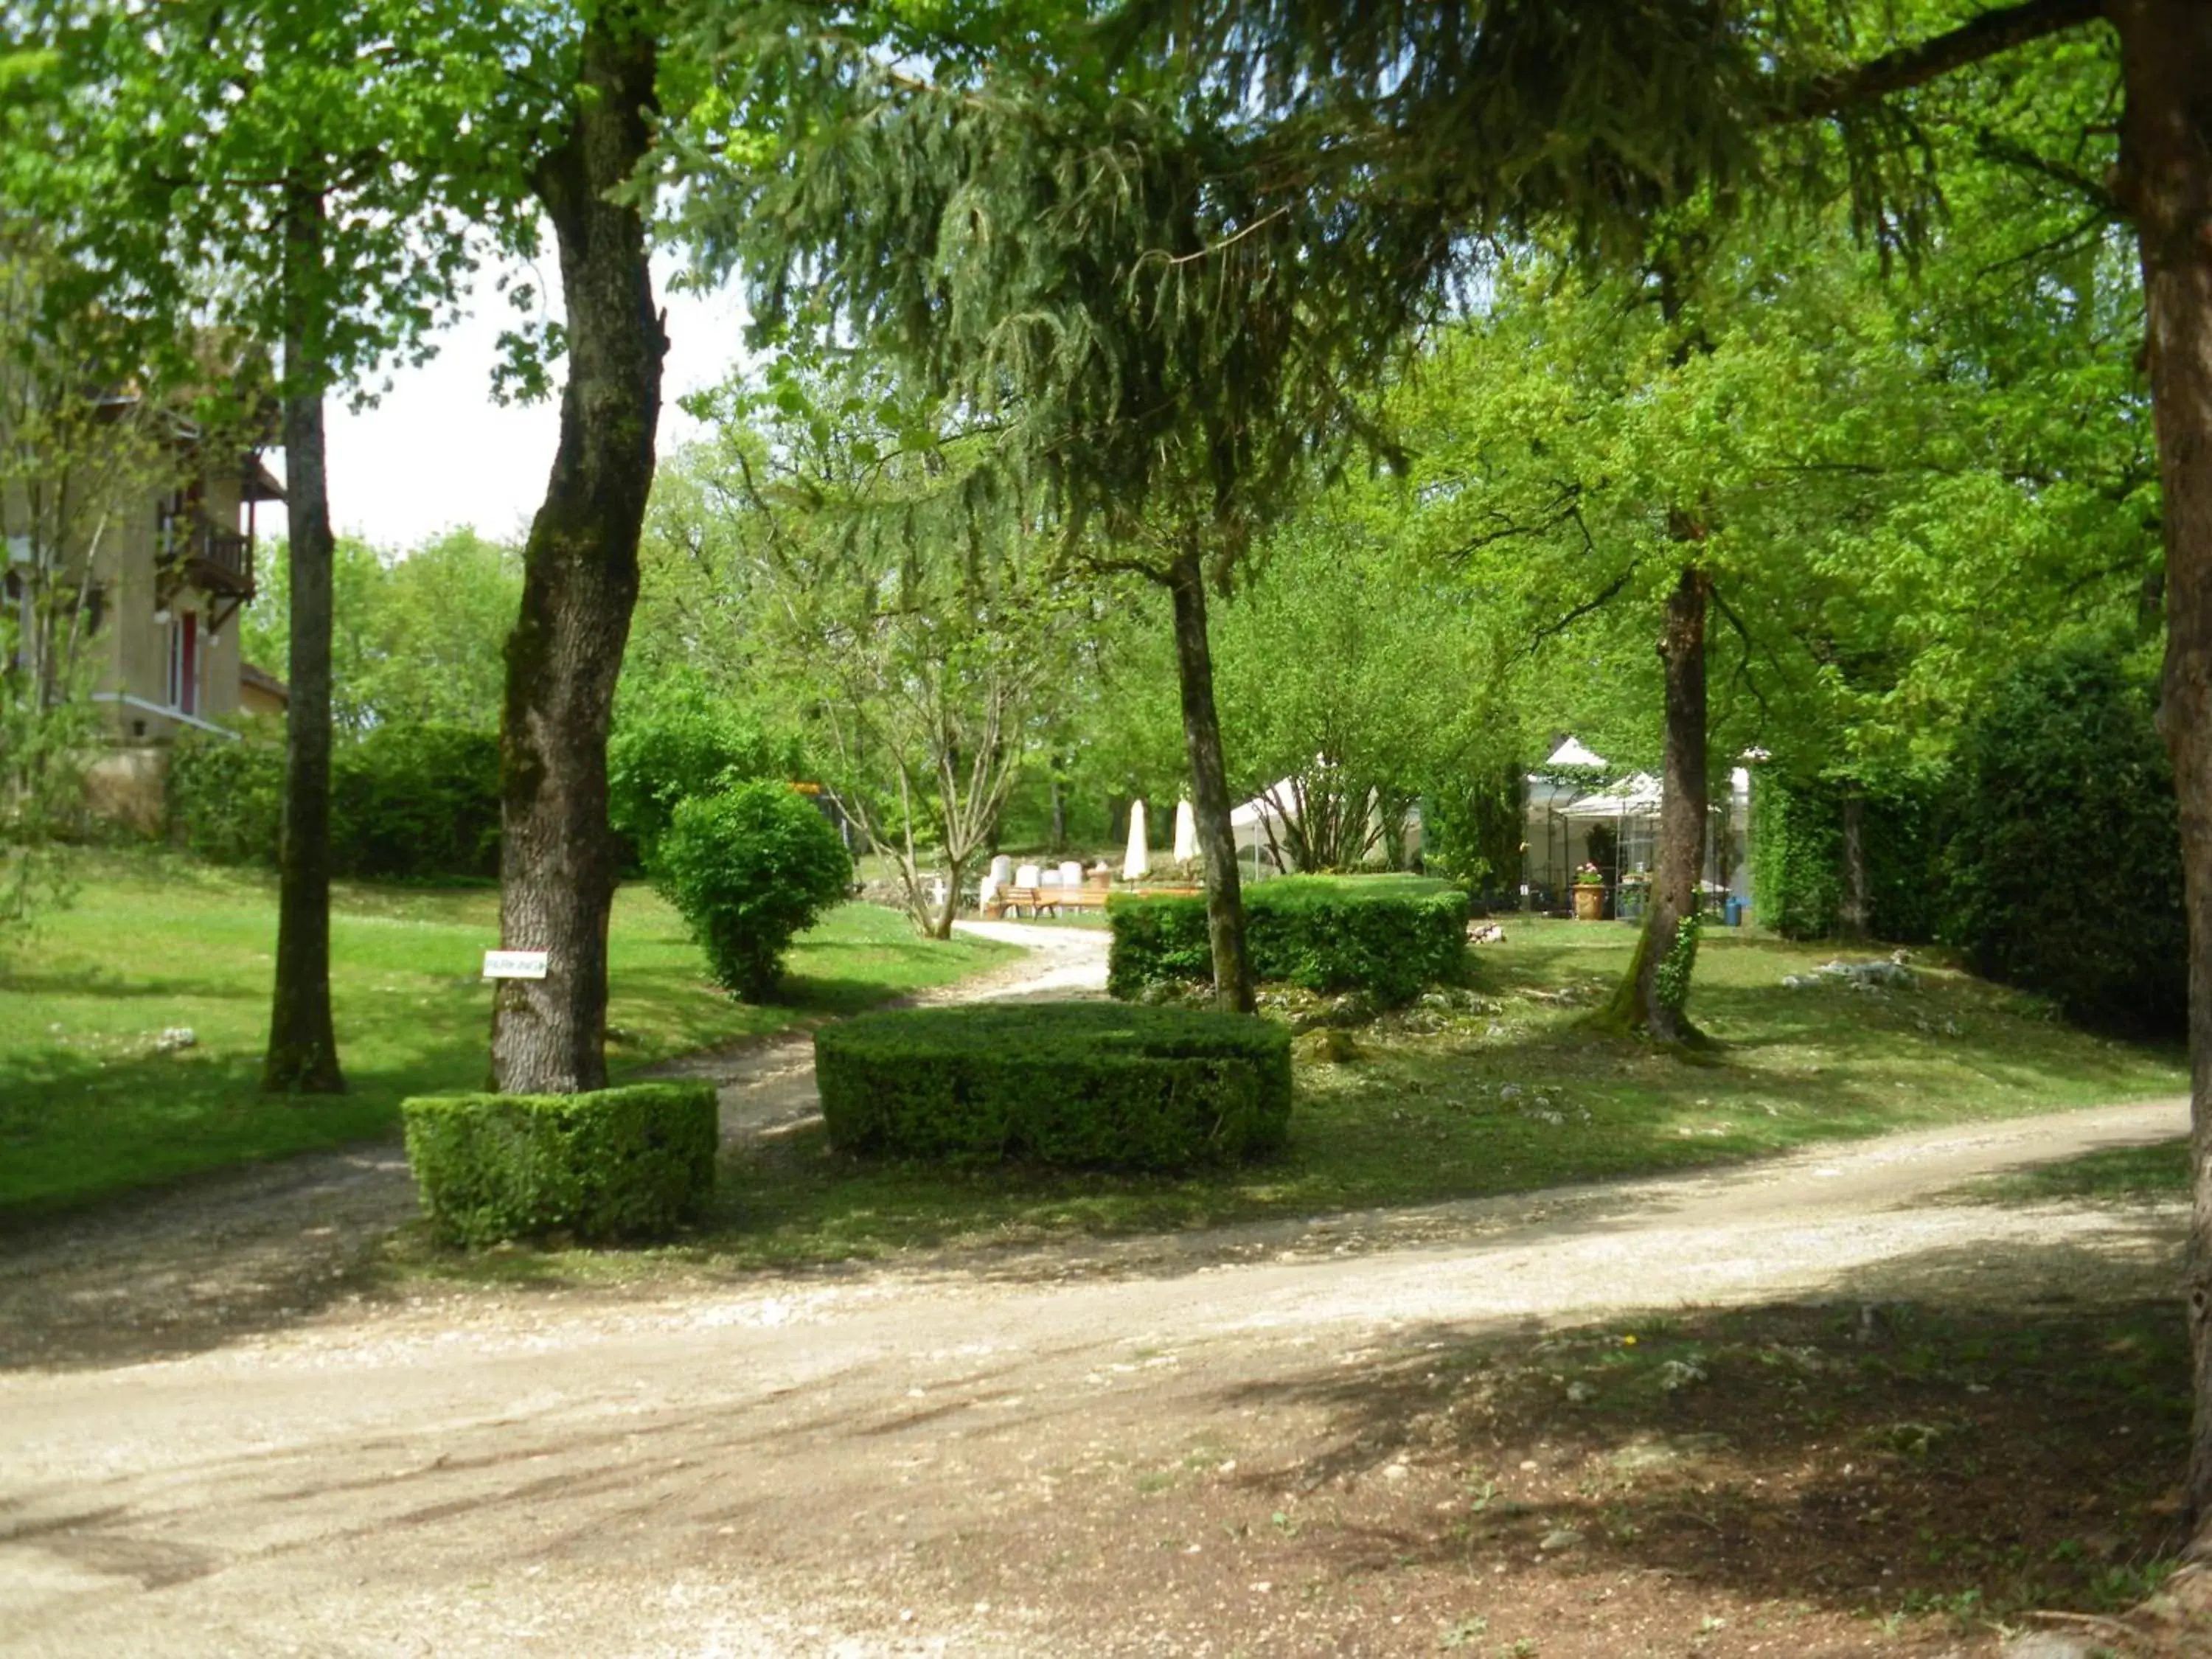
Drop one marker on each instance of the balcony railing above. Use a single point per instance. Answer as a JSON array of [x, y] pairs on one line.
[[214, 561]]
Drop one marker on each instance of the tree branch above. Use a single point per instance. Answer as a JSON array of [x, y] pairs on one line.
[[1995, 31]]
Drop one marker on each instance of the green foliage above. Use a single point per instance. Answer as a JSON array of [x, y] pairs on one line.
[[1391, 936], [1082, 1084], [414, 802], [628, 1162], [407, 802], [676, 742], [1471, 827], [750, 867], [226, 800], [2066, 861], [1671, 979], [1797, 856], [417, 635]]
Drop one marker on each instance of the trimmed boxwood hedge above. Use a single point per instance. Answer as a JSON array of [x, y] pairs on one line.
[[628, 1162], [1392, 936], [1073, 1083]]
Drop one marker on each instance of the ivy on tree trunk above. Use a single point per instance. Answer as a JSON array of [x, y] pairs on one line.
[[558, 863]]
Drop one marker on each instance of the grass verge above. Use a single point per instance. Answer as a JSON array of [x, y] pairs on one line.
[[1503, 1091], [90, 1105]]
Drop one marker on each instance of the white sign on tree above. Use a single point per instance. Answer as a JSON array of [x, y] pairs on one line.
[[514, 965]]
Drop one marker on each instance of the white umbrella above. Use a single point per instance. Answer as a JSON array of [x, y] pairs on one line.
[[1138, 863], [1186, 836]]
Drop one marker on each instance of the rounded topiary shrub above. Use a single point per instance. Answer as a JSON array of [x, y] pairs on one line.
[[751, 867], [1075, 1083], [628, 1162]]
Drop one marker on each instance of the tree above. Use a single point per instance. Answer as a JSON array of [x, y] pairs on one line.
[[73, 461], [1600, 117], [1353, 672], [559, 860], [317, 177], [917, 627], [1084, 250], [415, 636]]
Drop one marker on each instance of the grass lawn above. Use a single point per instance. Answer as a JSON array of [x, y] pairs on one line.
[[88, 1107], [1511, 1096]]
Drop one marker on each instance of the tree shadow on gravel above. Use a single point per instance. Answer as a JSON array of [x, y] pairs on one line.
[[1940, 1466]]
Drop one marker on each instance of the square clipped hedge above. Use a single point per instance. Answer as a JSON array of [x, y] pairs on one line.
[[1392, 936], [1092, 1083], [616, 1164]]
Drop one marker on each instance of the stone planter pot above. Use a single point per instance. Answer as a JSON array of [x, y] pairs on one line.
[[1589, 901]]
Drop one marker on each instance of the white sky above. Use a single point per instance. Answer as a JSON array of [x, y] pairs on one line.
[[438, 453]]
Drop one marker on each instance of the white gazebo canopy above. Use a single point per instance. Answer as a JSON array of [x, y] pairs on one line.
[[1572, 753], [1636, 796]]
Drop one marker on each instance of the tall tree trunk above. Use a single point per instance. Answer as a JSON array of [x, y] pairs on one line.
[[2165, 183], [1233, 989], [557, 862], [303, 1045], [1639, 1003], [1058, 805], [1852, 911]]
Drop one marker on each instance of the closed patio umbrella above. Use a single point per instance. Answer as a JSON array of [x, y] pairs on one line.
[[1139, 862], [1186, 834]]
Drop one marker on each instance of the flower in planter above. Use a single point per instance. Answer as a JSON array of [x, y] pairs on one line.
[[1590, 876]]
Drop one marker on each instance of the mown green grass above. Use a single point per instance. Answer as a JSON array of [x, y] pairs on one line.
[[1425, 1115], [88, 1107]]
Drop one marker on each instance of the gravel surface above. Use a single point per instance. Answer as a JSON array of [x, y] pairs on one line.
[[211, 1443]]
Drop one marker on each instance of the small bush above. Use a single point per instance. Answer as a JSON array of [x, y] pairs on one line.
[[629, 1163], [750, 868], [676, 744], [1074, 1083], [1392, 936], [2066, 858]]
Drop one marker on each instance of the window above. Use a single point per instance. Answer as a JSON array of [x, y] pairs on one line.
[[185, 663]]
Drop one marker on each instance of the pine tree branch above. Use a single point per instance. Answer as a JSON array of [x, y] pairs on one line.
[[1995, 31]]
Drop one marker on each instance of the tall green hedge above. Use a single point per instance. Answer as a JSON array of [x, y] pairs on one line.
[[628, 1162], [1087, 1084], [1392, 936], [408, 802], [1797, 857], [2066, 861]]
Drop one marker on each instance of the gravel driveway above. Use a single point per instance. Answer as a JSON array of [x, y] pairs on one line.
[[208, 1448]]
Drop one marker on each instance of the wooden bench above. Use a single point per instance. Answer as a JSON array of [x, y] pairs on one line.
[[1037, 900]]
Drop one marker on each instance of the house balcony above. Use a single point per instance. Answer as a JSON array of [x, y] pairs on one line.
[[216, 562]]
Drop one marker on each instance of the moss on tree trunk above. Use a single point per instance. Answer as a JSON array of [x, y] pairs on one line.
[[558, 862]]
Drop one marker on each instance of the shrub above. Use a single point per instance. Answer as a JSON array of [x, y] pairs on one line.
[[1391, 936], [750, 867], [2066, 859], [675, 745], [1073, 1083], [226, 800], [408, 801], [1797, 857], [629, 1163], [411, 801]]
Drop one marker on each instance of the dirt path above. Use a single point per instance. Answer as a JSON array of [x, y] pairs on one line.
[[244, 1251], [899, 1462]]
